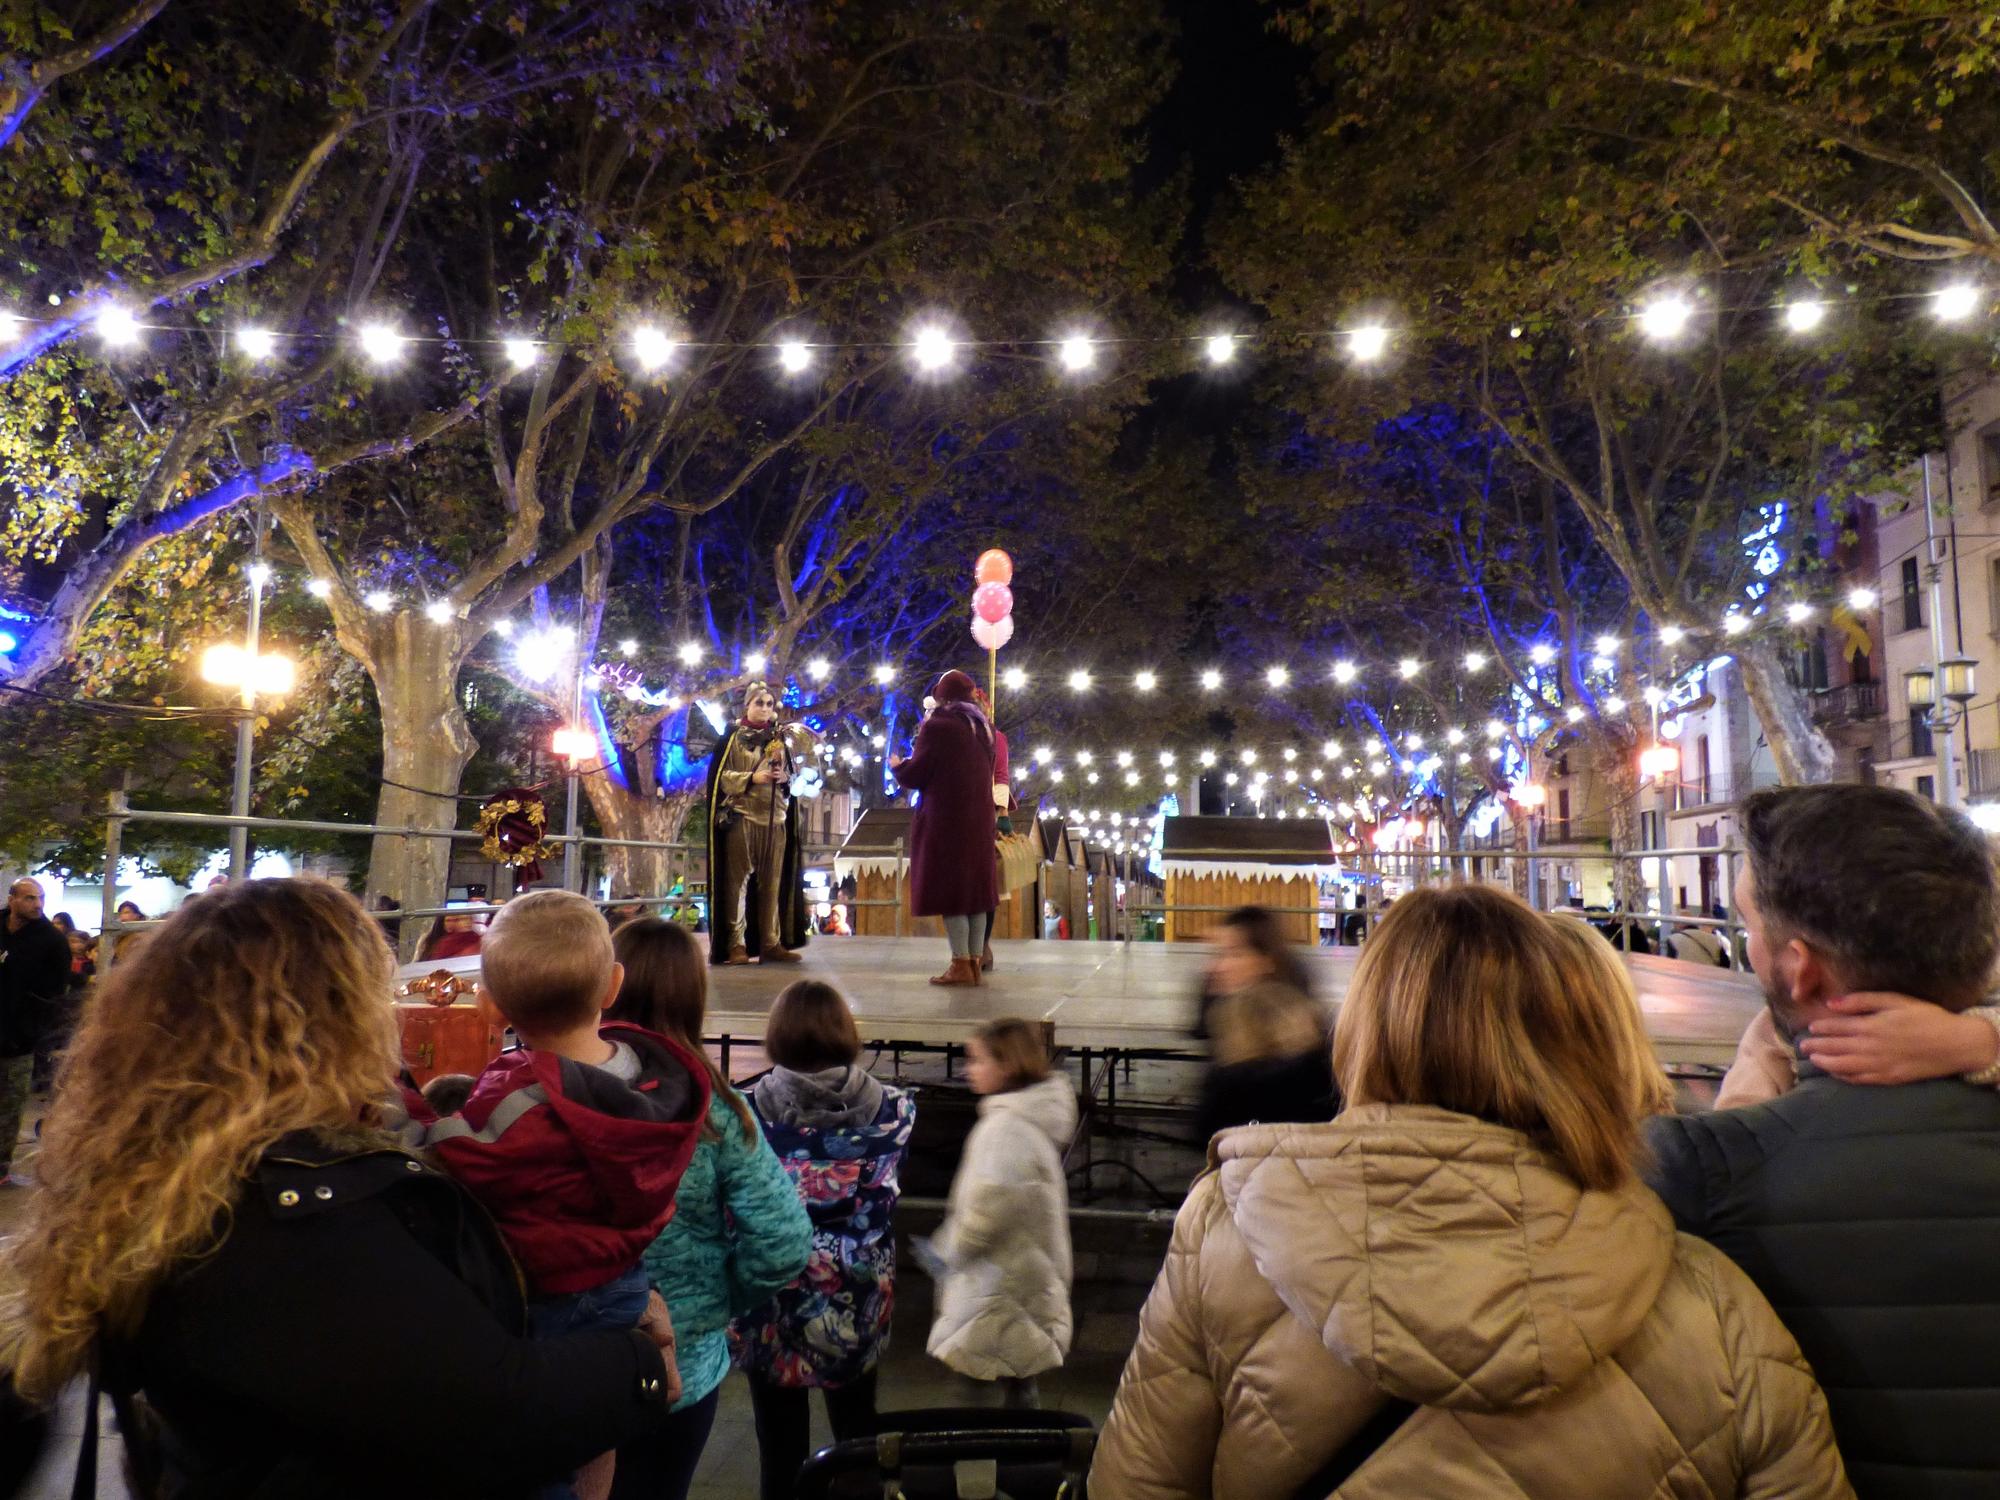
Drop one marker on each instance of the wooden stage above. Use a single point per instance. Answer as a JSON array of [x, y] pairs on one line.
[[1141, 996], [1120, 997]]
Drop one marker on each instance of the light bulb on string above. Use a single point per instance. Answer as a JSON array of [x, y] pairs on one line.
[[1804, 315], [1124, 758], [932, 349], [1330, 750], [1672, 635], [1408, 667], [1014, 679], [1276, 677], [1735, 622], [884, 674], [255, 343], [1541, 653], [1220, 348], [319, 588], [653, 347], [1862, 598], [382, 344], [1956, 302], [117, 327], [1085, 757], [1607, 645], [1454, 736], [1079, 681], [1043, 755], [1345, 672], [1574, 713], [1798, 612], [795, 356], [1666, 317], [818, 669], [378, 600], [755, 662], [1077, 353], [439, 611], [1495, 730], [1145, 682], [1368, 341], [1207, 757], [1614, 705], [1475, 661], [11, 325], [628, 647], [689, 652], [522, 352], [1210, 680]]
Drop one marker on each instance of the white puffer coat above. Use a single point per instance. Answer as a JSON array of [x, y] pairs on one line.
[[1003, 1302]]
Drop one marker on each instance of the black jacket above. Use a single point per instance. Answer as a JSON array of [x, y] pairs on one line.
[[1870, 1217], [1268, 1091], [34, 978], [360, 1332]]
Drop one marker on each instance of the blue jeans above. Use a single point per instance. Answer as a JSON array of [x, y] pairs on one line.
[[616, 1304]]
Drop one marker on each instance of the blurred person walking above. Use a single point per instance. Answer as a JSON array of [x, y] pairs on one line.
[[1268, 1041], [34, 982], [1002, 1255], [1460, 1287]]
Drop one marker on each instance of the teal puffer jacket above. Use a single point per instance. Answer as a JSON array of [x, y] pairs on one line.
[[738, 1234]]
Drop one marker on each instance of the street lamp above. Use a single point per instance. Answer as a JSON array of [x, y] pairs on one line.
[[251, 672]]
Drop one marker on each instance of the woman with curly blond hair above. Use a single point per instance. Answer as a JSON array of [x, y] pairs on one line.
[[228, 1229]]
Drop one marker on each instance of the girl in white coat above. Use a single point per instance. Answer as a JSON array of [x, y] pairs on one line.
[[1002, 1255]]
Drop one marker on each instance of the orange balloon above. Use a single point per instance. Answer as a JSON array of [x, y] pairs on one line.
[[994, 566]]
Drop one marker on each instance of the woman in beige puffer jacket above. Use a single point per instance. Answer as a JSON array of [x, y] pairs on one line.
[[1467, 1237]]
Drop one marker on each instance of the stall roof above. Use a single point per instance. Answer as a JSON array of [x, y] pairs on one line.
[[1195, 844], [870, 848]]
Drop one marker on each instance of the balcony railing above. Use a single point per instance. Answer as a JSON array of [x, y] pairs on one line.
[[1848, 704]]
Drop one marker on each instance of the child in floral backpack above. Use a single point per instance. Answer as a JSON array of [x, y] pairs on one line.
[[840, 1135]]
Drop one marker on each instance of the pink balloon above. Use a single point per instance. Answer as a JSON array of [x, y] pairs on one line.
[[992, 634], [993, 602], [994, 566]]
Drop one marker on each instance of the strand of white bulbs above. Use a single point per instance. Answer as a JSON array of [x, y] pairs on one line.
[[933, 346]]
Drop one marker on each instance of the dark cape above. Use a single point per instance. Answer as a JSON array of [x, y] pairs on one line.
[[792, 925]]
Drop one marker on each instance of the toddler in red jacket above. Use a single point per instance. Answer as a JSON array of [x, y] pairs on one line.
[[577, 1143]]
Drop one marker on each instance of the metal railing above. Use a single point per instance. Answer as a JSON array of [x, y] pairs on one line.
[[1849, 703]]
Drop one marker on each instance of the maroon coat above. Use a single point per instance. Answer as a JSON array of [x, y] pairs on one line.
[[953, 868]]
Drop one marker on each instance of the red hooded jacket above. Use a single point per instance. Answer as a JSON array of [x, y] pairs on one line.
[[577, 1167]]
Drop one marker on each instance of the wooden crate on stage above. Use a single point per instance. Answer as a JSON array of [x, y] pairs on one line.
[[1231, 862]]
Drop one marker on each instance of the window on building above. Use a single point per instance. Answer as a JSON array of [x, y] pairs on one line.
[[1927, 787], [1812, 663], [1701, 781], [1920, 733], [1562, 815], [1989, 465], [1649, 830], [1913, 595]]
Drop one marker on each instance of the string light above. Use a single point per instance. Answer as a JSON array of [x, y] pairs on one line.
[[1735, 623], [1408, 667], [438, 611], [818, 668], [795, 356], [884, 674], [256, 343], [10, 325], [1475, 661], [1014, 678], [1541, 654], [1956, 302], [1804, 315], [1368, 341], [1043, 755], [1211, 680], [1207, 757], [319, 588], [118, 327], [1077, 353], [1330, 750], [1079, 681], [653, 347], [931, 348], [1574, 713], [1495, 730], [1614, 705], [1276, 677], [1607, 645], [1145, 682], [755, 663], [1124, 758], [381, 343], [1672, 635], [628, 647], [1862, 598], [1666, 317], [689, 652], [1220, 348], [378, 600], [1798, 612], [1345, 672], [521, 352]]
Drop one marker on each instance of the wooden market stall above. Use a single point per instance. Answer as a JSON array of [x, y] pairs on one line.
[[1065, 874], [876, 857], [1223, 863]]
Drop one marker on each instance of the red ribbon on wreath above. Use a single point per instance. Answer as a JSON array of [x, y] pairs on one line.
[[514, 822]]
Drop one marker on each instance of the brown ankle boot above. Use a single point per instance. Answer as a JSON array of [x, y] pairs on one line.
[[961, 972]]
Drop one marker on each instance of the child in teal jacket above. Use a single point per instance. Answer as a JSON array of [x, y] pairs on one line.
[[739, 1232]]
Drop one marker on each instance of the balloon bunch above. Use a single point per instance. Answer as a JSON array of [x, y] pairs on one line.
[[993, 600]]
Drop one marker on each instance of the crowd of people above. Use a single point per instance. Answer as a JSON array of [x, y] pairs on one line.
[[1461, 1245]]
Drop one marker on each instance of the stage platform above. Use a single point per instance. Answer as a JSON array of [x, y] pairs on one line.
[[1141, 996]]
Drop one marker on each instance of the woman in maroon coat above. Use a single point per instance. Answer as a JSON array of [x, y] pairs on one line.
[[952, 866]]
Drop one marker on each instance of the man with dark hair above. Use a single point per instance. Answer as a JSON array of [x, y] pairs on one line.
[[1868, 1215], [34, 976]]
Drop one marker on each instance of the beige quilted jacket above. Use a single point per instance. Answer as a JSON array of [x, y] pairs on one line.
[[1560, 1344]]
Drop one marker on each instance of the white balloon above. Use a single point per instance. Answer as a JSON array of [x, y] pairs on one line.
[[992, 635]]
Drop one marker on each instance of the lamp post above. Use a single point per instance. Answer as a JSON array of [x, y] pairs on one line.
[[1944, 688], [1529, 797], [251, 672]]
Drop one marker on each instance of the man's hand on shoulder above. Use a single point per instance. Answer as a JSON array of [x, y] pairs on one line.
[[1875, 1037]]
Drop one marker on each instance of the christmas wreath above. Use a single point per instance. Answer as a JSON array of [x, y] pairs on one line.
[[514, 822]]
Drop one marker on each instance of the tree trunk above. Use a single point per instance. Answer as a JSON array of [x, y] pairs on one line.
[[631, 815], [1804, 755], [1618, 769], [426, 743]]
